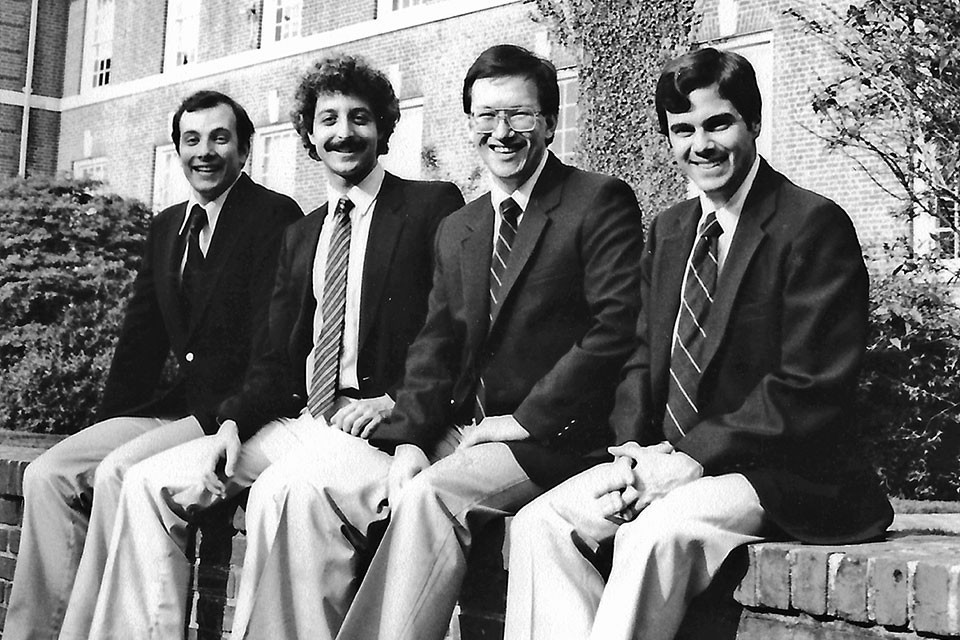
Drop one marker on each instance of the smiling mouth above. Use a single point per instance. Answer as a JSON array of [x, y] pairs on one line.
[[206, 169]]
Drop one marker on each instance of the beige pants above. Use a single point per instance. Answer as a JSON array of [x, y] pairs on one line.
[[411, 588], [661, 560], [142, 593], [70, 498]]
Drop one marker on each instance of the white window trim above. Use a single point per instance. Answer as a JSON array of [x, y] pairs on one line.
[[268, 26], [158, 186], [87, 59], [385, 7], [171, 41], [84, 165], [341, 37], [256, 151]]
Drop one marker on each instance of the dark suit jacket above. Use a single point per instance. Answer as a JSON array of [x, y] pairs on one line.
[[230, 309], [393, 301], [564, 326], [785, 338]]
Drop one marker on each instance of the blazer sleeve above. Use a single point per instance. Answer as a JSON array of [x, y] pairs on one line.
[[823, 332], [143, 343], [448, 200], [630, 419], [612, 245], [269, 388]]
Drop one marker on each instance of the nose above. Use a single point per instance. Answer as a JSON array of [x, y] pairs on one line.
[[208, 147], [702, 142], [503, 128], [343, 128]]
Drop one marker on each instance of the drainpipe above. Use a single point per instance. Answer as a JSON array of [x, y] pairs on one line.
[[28, 88]]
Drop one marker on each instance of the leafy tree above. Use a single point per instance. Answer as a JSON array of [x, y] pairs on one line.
[[896, 95], [68, 254], [620, 48]]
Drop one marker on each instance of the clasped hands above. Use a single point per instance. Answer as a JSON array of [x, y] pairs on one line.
[[638, 476]]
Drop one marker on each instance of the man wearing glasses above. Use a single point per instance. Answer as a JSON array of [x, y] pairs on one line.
[[533, 309], [531, 315]]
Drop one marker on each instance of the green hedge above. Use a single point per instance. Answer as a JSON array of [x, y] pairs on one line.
[[909, 402], [68, 255]]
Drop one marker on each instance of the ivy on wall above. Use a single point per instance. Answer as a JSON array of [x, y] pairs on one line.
[[621, 46]]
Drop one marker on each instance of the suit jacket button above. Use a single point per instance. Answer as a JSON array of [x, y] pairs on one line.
[[189, 356]]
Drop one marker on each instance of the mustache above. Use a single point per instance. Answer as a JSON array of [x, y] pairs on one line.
[[345, 145]]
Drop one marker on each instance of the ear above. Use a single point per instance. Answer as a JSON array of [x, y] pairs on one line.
[[551, 126]]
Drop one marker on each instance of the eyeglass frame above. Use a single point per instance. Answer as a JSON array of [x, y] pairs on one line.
[[505, 115]]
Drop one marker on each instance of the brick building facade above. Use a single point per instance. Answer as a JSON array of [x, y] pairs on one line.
[[111, 72]]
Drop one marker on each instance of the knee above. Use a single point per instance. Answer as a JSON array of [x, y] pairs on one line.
[[421, 490], [274, 487], [657, 529], [531, 522], [45, 475], [110, 472]]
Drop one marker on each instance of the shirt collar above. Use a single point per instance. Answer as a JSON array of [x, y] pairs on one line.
[[361, 195], [729, 213], [522, 194], [213, 208]]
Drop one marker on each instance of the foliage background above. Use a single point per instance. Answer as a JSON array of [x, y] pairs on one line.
[[68, 255], [907, 407]]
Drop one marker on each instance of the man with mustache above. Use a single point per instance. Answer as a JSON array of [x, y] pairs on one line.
[[531, 315], [349, 297], [734, 412], [202, 294]]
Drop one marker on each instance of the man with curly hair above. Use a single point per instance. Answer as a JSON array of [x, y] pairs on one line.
[[350, 296]]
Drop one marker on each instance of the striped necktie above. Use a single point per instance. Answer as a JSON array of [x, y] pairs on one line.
[[685, 367], [509, 213], [329, 343]]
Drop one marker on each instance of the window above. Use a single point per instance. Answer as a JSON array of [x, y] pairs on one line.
[[281, 20], [387, 6], [758, 50], [565, 141], [183, 33], [406, 143], [170, 186], [944, 237], [98, 51], [92, 168], [275, 158]]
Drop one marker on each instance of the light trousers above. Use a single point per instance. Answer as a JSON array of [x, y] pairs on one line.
[[661, 560], [70, 496], [142, 593], [412, 586]]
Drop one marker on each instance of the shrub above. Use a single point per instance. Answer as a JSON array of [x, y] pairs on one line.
[[68, 255], [909, 402]]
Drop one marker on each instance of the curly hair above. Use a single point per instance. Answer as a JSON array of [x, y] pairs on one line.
[[349, 75]]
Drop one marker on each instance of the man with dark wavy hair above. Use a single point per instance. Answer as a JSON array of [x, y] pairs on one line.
[[201, 294], [733, 414], [349, 297]]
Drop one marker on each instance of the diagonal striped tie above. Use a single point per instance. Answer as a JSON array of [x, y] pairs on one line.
[[329, 343], [685, 370], [509, 213]]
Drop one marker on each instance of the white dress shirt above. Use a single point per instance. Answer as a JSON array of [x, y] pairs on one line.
[[521, 196], [364, 198], [213, 209], [728, 215]]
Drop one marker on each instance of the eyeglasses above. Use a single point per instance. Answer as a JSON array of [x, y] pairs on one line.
[[520, 120]]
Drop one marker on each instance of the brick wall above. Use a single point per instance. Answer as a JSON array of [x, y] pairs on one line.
[[127, 130], [13, 43]]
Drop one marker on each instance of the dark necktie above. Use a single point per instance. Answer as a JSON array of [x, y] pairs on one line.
[[685, 366], [509, 213], [193, 267], [329, 344]]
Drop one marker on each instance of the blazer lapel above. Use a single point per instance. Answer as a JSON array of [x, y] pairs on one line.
[[759, 206], [475, 255], [384, 235], [167, 266], [305, 255], [668, 272], [545, 197], [230, 224]]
